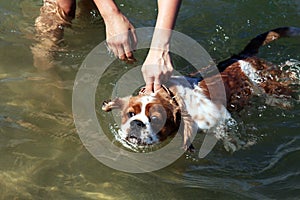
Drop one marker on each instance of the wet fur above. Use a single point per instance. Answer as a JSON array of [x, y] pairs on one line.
[[243, 75]]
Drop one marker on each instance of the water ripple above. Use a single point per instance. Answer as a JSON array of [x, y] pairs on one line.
[[281, 152]]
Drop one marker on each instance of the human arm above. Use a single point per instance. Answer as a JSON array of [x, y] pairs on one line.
[[120, 33], [158, 68], [68, 6]]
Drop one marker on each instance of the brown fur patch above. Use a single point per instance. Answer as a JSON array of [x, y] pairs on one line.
[[173, 114], [270, 37], [238, 87], [274, 81]]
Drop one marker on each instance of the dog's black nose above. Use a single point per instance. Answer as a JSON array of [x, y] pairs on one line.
[[137, 123]]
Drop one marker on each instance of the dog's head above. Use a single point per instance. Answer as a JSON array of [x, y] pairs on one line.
[[147, 118]]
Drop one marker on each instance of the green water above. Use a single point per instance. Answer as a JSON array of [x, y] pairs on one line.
[[42, 157]]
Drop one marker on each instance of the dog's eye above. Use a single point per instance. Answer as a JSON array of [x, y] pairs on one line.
[[130, 114], [154, 119]]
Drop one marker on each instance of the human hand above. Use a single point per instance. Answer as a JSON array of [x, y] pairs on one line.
[[157, 69], [120, 37]]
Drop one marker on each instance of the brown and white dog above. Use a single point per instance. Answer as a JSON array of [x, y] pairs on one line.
[[150, 118]]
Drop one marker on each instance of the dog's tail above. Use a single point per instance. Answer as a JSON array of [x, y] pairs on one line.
[[253, 46]]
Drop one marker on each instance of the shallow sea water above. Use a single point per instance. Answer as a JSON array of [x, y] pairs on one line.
[[42, 157]]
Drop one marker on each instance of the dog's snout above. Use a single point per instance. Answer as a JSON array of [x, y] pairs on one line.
[[134, 138], [137, 123]]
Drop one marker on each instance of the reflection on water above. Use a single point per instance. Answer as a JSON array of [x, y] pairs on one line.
[[43, 158]]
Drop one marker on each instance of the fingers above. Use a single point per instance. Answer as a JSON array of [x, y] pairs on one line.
[[128, 55], [120, 52], [156, 86], [122, 46], [154, 83], [156, 75], [152, 87], [112, 48], [133, 38], [149, 85], [123, 52]]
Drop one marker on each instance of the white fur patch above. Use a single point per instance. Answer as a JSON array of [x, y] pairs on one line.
[[250, 71], [203, 111]]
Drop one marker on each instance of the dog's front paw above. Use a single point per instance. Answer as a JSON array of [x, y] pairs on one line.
[[117, 103], [107, 105]]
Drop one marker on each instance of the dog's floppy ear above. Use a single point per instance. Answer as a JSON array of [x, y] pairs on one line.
[[189, 131], [188, 127], [117, 103]]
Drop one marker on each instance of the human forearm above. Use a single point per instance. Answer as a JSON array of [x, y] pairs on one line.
[[158, 68], [167, 13], [166, 18], [107, 8]]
